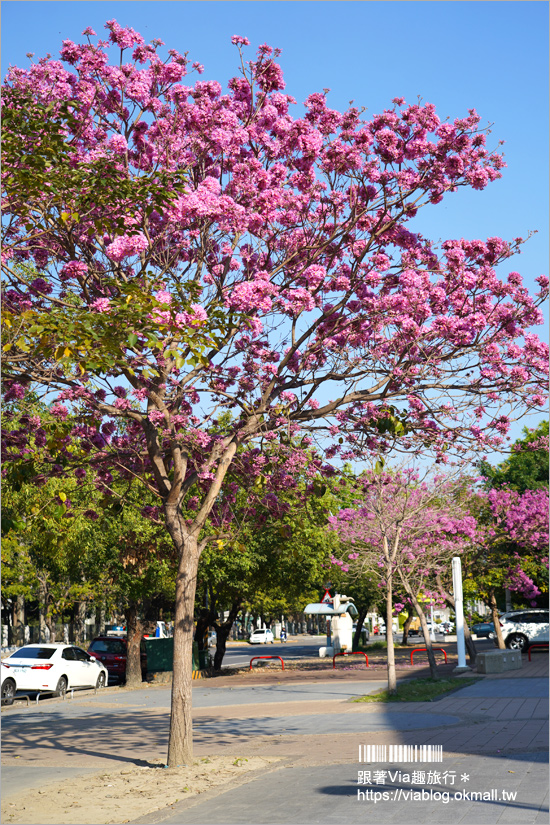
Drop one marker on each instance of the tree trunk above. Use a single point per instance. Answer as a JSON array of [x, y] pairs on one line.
[[100, 620], [406, 626], [19, 621], [495, 618], [134, 632], [42, 610], [50, 624], [469, 642], [424, 625], [357, 636], [79, 622], [180, 744], [392, 679], [223, 630], [207, 618]]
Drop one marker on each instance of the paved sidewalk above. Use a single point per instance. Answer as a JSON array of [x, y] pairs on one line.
[[496, 728], [330, 794], [493, 732]]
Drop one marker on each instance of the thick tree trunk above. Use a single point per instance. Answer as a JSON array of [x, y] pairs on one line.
[[134, 632], [79, 622], [207, 618], [50, 624], [42, 610], [223, 630], [19, 621], [495, 618], [100, 621], [357, 636], [406, 626], [392, 679], [180, 744]]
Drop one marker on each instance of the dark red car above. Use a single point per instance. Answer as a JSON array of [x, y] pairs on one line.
[[111, 652]]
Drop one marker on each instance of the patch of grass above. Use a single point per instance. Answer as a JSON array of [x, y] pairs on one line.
[[418, 690]]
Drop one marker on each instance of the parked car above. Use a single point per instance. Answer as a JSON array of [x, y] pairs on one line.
[[483, 630], [9, 685], [446, 627], [522, 628], [55, 668], [111, 651], [262, 636]]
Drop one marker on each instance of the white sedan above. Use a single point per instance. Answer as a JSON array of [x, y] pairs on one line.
[[9, 685], [261, 637], [55, 668]]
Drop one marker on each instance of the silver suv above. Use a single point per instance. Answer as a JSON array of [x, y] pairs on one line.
[[522, 628]]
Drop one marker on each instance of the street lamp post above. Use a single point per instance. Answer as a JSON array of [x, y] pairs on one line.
[[462, 667]]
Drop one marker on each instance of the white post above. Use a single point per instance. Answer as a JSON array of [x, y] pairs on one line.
[[432, 629], [459, 614]]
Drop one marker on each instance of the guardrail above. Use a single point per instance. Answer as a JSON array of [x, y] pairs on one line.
[[5, 703], [538, 644], [425, 650], [266, 657], [350, 653], [48, 693]]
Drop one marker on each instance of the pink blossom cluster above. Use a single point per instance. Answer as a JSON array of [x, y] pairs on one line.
[[277, 243], [125, 246]]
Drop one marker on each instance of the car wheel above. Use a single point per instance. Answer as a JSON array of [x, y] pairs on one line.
[[62, 686], [517, 641], [100, 681], [8, 692]]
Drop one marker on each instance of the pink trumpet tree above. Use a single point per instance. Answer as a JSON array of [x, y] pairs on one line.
[[189, 269], [404, 530], [512, 538]]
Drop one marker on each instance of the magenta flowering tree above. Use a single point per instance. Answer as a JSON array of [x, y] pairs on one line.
[[187, 269], [404, 530], [512, 549]]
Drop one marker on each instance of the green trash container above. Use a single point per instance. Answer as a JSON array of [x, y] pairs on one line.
[[204, 659], [160, 654]]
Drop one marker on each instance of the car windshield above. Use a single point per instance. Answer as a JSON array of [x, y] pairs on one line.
[[108, 646], [33, 653]]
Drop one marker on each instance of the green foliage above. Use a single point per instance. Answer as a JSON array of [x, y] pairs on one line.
[[64, 541], [523, 470]]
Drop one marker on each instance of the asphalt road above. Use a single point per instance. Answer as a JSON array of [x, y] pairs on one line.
[[300, 647], [297, 647]]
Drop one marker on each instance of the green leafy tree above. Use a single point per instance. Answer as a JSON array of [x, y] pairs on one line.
[[527, 466]]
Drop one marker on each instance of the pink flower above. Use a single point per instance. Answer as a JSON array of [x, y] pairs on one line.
[[101, 305], [59, 411], [126, 245]]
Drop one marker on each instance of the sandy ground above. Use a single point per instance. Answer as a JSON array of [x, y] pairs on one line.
[[114, 797]]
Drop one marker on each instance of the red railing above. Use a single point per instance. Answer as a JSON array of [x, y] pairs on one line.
[[424, 650], [350, 653], [266, 657], [538, 644]]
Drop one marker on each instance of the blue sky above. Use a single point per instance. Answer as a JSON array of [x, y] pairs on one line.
[[491, 56]]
